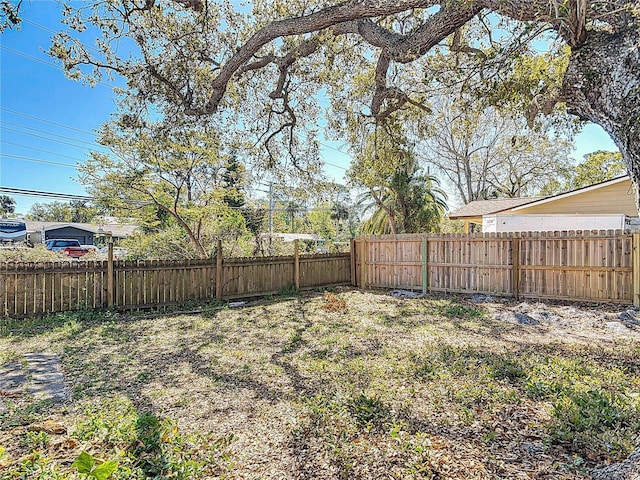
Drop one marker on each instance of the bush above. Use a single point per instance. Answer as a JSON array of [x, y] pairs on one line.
[[596, 420], [24, 254]]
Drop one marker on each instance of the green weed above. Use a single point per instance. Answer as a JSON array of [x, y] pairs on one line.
[[369, 411], [455, 310], [151, 447], [289, 291], [35, 441], [596, 420], [293, 344], [92, 468], [36, 466]]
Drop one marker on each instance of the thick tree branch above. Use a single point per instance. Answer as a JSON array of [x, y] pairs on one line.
[[395, 47], [353, 17], [325, 18], [305, 49]]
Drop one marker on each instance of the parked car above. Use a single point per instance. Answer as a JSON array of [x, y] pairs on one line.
[[67, 246]]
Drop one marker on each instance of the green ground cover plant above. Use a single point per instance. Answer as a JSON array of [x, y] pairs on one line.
[[432, 388]]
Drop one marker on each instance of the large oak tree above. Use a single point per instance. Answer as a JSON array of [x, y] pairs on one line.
[[202, 57]]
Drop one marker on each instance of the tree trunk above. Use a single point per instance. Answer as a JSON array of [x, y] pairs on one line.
[[602, 85]]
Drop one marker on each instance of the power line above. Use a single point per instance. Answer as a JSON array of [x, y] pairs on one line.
[[4, 142], [31, 57], [90, 133], [42, 27], [110, 86], [336, 149], [92, 144], [57, 67], [46, 138], [67, 196], [47, 29], [94, 134], [37, 160], [299, 135], [26, 115], [43, 194], [334, 165]]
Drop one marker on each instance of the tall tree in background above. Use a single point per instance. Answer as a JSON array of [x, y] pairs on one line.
[[83, 211], [293, 210], [77, 211], [411, 203], [340, 215], [7, 205], [50, 212], [320, 221], [176, 169], [234, 182], [597, 167], [485, 153]]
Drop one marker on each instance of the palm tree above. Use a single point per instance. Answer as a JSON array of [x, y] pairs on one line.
[[410, 203], [401, 198]]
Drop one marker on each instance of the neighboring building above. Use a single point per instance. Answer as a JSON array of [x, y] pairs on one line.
[[604, 202], [85, 233], [473, 212], [309, 242], [290, 237]]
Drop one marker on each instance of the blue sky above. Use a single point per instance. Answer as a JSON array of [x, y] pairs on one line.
[[47, 122]]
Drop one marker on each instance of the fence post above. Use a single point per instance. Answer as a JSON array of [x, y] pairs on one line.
[[296, 264], [515, 260], [425, 278], [219, 271], [363, 265], [636, 269], [354, 282], [110, 280]]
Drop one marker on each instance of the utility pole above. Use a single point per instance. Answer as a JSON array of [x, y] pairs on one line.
[[271, 207]]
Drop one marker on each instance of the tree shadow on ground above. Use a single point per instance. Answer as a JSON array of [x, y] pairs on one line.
[[340, 411]]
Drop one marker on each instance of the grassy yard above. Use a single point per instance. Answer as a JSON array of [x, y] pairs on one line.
[[358, 386]]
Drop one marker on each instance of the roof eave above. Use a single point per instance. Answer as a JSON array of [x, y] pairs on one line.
[[571, 193]]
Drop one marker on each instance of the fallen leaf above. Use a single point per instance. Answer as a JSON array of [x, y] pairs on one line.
[[48, 426]]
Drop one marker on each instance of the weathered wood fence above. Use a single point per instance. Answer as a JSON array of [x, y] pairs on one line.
[[601, 266], [37, 288]]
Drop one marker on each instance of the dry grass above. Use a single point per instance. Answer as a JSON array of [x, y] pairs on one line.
[[433, 388]]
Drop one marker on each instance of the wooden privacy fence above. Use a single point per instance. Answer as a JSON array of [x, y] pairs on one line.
[[37, 288], [593, 266], [601, 266]]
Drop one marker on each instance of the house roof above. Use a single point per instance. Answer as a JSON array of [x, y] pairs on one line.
[[290, 237], [478, 208], [571, 193], [116, 229]]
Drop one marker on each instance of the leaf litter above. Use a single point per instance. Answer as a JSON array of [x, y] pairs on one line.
[[346, 384]]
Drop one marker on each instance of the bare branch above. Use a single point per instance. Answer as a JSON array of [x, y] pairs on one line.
[[457, 47]]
